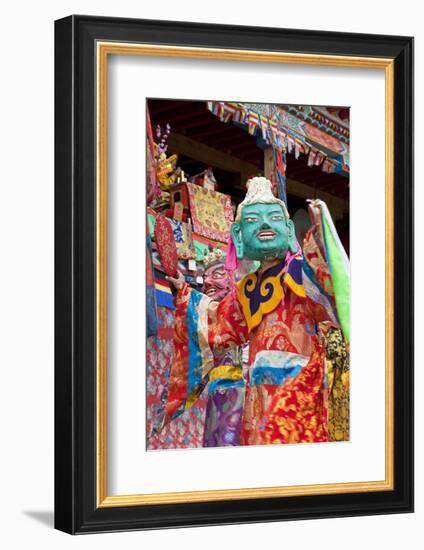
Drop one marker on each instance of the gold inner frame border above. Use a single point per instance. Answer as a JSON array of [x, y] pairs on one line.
[[103, 50]]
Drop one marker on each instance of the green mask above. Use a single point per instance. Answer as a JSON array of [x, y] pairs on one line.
[[263, 233]]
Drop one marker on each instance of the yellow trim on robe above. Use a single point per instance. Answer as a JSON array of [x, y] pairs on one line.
[[229, 372], [295, 287], [164, 288], [249, 283]]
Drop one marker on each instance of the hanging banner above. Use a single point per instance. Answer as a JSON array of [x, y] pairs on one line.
[[283, 129]]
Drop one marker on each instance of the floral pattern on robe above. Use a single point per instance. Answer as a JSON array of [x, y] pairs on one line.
[[197, 372], [286, 395], [283, 345]]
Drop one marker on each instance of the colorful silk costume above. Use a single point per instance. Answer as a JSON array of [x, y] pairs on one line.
[[196, 367], [273, 313], [324, 386], [186, 431], [285, 311], [224, 408]]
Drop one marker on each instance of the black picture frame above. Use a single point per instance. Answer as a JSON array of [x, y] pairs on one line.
[[76, 509]]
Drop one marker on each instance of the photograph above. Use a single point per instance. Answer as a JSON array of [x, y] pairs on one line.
[[233, 221], [248, 274], [211, 317]]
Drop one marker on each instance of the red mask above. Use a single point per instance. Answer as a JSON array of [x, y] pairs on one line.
[[216, 282]]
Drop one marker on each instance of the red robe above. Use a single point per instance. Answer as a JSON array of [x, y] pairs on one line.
[[285, 400]]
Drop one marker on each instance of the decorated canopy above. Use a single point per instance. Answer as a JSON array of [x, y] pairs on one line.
[[314, 131]]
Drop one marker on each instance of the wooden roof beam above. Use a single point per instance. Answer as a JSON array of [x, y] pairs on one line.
[[208, 155]]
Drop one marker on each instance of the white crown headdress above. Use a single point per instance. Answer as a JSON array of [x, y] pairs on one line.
[[259, 190]]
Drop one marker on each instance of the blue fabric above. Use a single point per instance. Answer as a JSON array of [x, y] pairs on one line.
[[152, 322], [295, 270], [273, 375], [256, 296], [224, 383], [164, 299], [195, 355]]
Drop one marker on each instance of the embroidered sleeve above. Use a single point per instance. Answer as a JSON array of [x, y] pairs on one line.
[[327, 259], [317, 282], [202, 328], [226, 323]]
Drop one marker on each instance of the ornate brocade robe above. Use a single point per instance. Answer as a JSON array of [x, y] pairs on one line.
[[196, 370], [281, 313]]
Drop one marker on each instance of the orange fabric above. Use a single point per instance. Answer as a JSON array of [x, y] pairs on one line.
[[290, 327], [298, 411], [292, 412]]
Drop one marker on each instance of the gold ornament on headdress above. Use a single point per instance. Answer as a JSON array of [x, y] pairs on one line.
[[212, 256]]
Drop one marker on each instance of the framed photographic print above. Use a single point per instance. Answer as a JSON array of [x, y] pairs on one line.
[[234, 274]]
